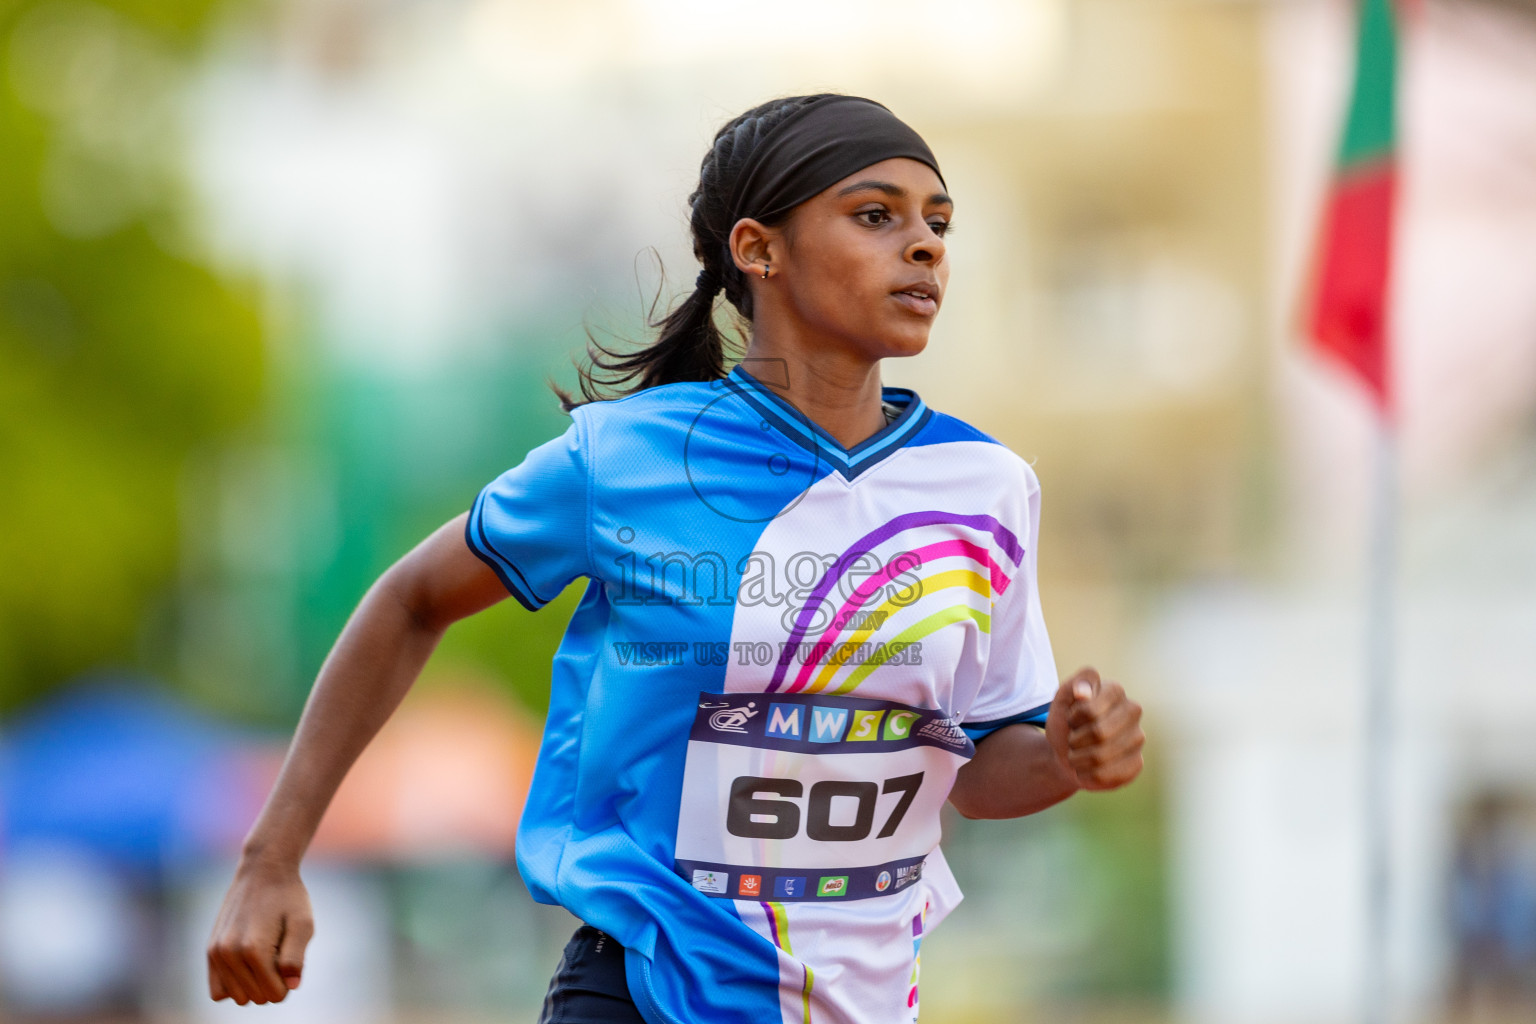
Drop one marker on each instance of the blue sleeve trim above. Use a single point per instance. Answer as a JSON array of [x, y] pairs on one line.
[[480, 544], [1034, 716]]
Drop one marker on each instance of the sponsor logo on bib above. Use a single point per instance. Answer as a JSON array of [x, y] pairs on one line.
[[834, 885], [883, 882], [710, 881], [788, 888], [729, 719], [750, 885]]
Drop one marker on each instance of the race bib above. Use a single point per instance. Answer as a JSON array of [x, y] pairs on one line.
[[813, 797]]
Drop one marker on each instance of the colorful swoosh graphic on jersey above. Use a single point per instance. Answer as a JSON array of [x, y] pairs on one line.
[[990, 586], [995, 581], [913, 633]]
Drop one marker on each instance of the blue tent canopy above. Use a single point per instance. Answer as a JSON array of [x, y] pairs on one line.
[[124, 770]]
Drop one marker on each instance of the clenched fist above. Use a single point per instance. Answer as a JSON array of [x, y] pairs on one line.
[[256, 954], [1095, 731]]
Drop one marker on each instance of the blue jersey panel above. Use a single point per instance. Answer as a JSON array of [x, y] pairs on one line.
[[674, 507]]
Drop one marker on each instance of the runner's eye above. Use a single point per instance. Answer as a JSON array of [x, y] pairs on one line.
[[941, 227], [873, 217]]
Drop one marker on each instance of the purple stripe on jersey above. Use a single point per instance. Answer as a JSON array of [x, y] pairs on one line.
[[773, 923]]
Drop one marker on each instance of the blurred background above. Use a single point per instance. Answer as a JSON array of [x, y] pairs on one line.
[[280, 284]]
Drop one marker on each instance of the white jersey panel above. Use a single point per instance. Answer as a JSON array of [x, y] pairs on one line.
[[885, 590]]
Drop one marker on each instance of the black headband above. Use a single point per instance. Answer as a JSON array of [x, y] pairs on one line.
[[818, 145]]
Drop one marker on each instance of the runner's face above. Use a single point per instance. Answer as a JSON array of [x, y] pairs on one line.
[[864, 262]]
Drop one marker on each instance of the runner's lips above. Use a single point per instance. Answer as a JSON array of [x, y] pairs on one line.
[[922, 297], [925, 289]]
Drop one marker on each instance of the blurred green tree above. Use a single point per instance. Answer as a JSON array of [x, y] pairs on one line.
[[120, 354]]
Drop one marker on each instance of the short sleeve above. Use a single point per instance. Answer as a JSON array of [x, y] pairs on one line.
[[531, 523], [1019, 680]]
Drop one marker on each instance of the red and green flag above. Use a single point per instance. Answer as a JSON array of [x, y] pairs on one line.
[[1348, 314]]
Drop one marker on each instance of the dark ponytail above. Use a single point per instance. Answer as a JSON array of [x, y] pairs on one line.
[[690, 347]]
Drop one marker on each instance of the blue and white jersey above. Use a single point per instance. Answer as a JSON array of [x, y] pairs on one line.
[[784, 652]]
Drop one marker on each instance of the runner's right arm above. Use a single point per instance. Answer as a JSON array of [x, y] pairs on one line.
[[256, 952]]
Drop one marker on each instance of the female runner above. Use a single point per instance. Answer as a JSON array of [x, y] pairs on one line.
[[811, 617]]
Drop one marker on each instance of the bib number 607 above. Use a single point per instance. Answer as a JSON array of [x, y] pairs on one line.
[[752, 817]]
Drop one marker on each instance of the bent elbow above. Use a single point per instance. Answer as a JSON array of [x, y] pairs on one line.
[[968, 806], [403, 588]]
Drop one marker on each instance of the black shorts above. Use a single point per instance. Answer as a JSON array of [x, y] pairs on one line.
[[589, 986]]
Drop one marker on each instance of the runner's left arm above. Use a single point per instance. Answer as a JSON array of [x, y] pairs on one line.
[[1092, 740]]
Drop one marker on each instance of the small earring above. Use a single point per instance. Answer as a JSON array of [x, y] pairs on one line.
[[765, 271]]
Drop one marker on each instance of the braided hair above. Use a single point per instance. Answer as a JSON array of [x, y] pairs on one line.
[[690, 347]]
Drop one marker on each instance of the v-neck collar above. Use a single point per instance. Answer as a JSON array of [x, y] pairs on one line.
[[806, 432]]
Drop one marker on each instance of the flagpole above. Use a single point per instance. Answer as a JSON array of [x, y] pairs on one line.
[[1349, 319], [1380, 722]]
